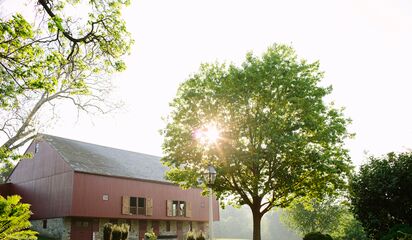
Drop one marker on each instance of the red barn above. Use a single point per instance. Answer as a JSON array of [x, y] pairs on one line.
[[74, 188]]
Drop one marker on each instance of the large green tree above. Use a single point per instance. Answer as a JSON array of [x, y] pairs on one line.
[[66, 53], [278, 138], [381, 193]]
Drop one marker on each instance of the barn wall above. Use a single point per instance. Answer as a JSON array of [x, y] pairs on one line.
[[89, 190], [45, 181]]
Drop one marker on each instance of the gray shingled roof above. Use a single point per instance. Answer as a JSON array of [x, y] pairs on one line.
[[96, 159]]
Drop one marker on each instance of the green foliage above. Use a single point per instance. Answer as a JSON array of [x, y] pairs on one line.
[[14, 219], [349, 229], [381, 193], [150, 235], [279, 140], [399, 232], [125, 231], [7, 157], [315, 216], [200, 236], [57, 57], [317, 236], [107, 231], [327, 216], [115, 232], [190, 235], [18, 58], [29, 56]]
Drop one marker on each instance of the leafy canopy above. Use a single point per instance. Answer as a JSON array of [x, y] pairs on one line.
[[14, 219], [66, 53], [33, 52], [381, 193], [278, 139]]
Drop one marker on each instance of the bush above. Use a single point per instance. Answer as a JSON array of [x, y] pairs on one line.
[[125, 231], [14, 219], [200, 236], [107, 231], [190, 236], [399, 232], [115, 232], [150, 235], [317, 236]]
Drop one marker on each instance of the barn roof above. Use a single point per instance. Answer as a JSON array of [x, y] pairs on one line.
[[96, 159]]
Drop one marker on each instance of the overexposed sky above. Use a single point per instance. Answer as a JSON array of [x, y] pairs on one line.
[[364, 47]]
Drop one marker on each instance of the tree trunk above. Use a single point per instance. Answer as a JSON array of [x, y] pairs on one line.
[[257, 217]]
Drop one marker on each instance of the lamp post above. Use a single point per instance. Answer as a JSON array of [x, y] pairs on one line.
[[208, 135], [210, 176]]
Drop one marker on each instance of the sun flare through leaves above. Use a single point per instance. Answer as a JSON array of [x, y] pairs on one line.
[[208, 134]]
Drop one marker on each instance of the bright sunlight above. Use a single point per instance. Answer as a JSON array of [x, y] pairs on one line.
[[208, 134]]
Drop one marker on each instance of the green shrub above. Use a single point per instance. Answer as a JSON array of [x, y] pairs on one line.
[[107, 231], [190, 236], [399, 232], [150, 235], [200, 236], [117, 232], [317, 236], [14, 219], [125, 231]]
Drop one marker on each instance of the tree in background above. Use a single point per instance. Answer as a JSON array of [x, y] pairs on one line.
[[381, 193], [14, 219], [276, 139], [327, 216], [53, 58], [235, 223], [315, 216]]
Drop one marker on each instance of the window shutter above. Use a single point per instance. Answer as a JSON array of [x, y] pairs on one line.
[[169, 208], [149, 207], [126, 205], [188, 209]]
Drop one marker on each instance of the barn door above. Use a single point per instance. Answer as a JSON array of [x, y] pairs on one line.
[[82, 229]]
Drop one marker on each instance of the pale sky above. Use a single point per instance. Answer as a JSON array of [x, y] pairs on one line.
[[364, 47]]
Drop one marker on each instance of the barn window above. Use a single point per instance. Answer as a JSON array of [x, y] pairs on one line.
[[137, 206], [133, 205], [178, 209], [182, 208], [45, 223], [174, 208], [141, 206]]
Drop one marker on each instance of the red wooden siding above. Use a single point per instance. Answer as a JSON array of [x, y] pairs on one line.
[[45, 181], [5, 189], [89, 190]]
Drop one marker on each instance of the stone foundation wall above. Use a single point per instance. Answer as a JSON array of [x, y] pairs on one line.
[[58, 228], [163, 230]]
